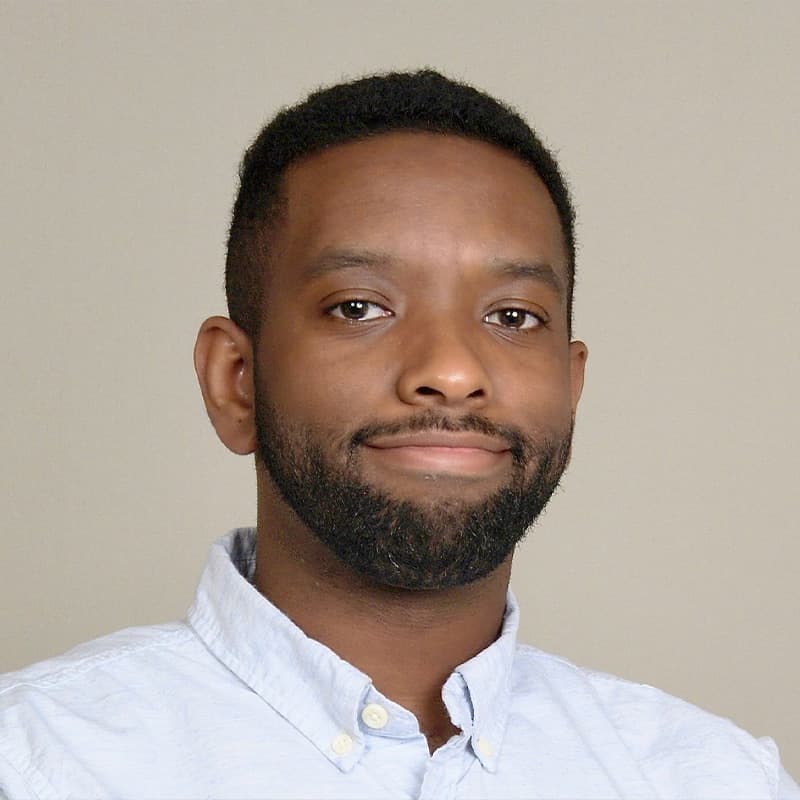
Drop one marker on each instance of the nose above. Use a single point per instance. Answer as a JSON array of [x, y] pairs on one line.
[[440, 368]]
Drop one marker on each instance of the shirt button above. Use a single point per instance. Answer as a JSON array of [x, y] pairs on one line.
[[342, 744], [375, 716], [485, 747]]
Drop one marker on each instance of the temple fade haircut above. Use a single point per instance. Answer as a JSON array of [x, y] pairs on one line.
[[423, 101]]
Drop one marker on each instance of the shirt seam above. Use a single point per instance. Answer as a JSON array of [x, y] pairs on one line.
[[767, 758], [768, 762], [772, 770], [72, 671]]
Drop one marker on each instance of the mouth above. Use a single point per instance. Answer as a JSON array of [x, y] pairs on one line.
[[468, 455]]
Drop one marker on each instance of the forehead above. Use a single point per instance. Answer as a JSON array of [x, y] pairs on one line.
[[423, 198]]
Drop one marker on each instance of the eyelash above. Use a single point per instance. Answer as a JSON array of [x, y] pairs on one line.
[[538, 321]]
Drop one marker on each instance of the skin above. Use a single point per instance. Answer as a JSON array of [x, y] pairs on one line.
[[442, 213]]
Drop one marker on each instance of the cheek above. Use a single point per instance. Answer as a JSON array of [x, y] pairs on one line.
[[539, 392], [322, 385]]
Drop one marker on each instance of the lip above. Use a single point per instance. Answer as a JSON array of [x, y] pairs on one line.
[[453, 439], [441, 452]]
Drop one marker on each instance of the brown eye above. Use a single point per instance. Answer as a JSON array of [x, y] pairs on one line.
[[515, 318], [358, 311], [353, 309]]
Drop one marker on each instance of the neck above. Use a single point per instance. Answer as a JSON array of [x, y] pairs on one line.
[[408, 642]]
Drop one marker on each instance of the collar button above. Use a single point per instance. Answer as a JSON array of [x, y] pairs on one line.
[[375, 716], [342, 744]]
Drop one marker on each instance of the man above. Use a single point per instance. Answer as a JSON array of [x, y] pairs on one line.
[[399, 359]]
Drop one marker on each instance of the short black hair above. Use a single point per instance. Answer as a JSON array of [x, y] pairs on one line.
[[423, 101]]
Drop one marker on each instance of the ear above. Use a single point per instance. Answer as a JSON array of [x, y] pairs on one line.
[[223, 361], [578, 353]]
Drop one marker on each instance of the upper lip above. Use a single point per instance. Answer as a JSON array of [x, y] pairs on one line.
[[466, 439]]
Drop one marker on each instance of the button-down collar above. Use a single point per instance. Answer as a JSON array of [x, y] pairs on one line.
[[319, 693]]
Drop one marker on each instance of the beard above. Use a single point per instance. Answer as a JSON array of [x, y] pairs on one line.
[[401, 543]]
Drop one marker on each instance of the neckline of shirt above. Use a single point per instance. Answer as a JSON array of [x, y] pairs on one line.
[[318, 692]]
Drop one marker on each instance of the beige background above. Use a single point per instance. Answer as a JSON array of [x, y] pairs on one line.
[[670, 557]]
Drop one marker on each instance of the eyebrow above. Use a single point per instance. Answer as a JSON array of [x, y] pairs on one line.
[[335, 260], [530, 270]]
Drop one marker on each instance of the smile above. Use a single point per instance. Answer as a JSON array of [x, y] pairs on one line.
[[445, 453]]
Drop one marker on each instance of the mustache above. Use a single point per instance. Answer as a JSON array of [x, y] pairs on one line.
[[521, 447]]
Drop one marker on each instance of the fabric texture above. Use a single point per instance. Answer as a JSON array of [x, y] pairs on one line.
[[236, 702]]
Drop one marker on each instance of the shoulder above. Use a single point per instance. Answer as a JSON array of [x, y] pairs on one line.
[[117, 674], [115, 651], [121, 688], [670, 739]]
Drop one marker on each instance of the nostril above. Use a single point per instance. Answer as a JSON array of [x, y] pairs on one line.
[[426, 390]]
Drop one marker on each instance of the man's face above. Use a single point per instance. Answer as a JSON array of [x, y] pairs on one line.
[[415, 384]]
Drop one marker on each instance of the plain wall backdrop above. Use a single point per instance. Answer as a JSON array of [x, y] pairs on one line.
[[669, 556]]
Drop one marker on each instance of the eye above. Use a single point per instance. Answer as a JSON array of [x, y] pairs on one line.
[[358, 311], [515, 318]]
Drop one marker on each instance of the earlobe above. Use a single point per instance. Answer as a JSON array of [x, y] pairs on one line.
[[223, 361], [578, 353]]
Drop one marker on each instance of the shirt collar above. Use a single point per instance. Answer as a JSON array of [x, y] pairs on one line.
[[316, 691]]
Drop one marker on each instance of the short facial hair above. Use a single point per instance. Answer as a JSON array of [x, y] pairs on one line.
[[398, 542]]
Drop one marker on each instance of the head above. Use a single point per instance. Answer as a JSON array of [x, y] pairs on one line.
[[400, 274]]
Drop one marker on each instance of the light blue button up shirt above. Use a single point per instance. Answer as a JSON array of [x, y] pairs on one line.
[[236, 702]]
